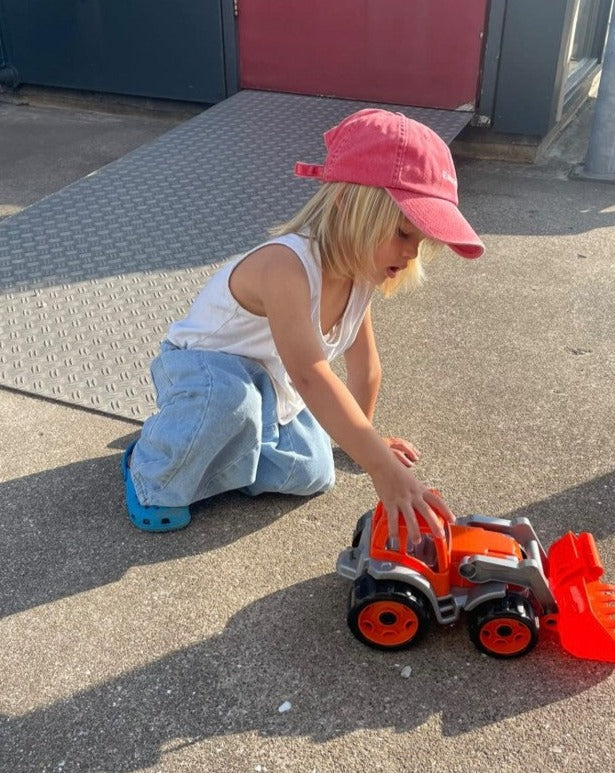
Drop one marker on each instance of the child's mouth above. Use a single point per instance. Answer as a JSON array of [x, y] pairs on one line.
[[392, 271]]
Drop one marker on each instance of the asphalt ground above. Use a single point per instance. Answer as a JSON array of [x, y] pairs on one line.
[[126, 651]]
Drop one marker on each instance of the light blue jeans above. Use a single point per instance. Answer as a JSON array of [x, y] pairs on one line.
[[216, 430]]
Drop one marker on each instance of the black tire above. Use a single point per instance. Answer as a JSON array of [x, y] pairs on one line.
[[387, 615], [504, 628]]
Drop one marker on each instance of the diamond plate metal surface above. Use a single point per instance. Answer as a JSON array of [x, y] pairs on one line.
[[92, 275]]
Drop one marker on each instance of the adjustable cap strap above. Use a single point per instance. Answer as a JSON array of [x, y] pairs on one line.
[[309, 170]]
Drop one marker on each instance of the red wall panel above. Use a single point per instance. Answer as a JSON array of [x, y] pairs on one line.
[[414, 52]]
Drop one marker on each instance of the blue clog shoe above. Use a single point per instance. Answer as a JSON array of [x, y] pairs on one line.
[[150, 518]]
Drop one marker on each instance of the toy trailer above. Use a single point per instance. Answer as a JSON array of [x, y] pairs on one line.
[[493, 570]]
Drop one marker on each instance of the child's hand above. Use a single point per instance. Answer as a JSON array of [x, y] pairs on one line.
[[404, 451], [402, 493]]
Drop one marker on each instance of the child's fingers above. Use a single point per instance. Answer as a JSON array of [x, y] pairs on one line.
[[392, 528], [414, 533], [403, 458], [409, 515], [438, 504], [418, 502], [403, 449], [431, 517]]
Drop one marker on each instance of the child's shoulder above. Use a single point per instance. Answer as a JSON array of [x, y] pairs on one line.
[[265, 269], [298, 242], [282, 247]]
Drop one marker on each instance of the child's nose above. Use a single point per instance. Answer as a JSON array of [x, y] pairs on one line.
[[411, 250]]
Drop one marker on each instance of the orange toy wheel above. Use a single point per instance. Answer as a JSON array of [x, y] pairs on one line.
[[505, 628], [386, 615]]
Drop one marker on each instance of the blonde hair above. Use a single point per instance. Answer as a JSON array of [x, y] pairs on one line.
[[349, 222]]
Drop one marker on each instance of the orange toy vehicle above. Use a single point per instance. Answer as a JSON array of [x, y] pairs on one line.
[[494, 570]]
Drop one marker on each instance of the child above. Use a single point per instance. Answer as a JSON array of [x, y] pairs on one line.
[[247, 399]]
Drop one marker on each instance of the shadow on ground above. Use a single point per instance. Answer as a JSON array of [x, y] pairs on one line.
[[531, 202], [292, 646], [51, 522], [589, 506]]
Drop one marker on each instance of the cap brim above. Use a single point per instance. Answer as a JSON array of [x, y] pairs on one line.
[[440, 220]]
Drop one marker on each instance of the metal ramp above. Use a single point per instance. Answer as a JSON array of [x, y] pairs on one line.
[[92, 275]]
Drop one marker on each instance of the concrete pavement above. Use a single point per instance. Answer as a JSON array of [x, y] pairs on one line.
[[45, 147], [124, 651]]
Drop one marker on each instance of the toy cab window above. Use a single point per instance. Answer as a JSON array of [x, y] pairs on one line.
[[424, 551]]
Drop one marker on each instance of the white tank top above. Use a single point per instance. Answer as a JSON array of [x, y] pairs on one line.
[[217, 322]]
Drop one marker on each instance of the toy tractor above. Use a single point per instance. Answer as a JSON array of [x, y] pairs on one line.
[[494, 570]]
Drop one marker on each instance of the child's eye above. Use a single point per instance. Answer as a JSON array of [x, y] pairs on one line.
[[402, 234]]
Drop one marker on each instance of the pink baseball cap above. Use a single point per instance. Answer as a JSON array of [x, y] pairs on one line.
[[406, 158]]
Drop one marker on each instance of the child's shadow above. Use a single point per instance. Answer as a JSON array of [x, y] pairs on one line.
[[292, 645], [66, 530]]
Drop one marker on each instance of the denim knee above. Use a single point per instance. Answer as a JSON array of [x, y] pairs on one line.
[[217, 430], [295, 458], [206, 436], [313, 470]]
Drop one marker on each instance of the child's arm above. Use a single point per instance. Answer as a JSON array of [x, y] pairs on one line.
[[283, 290], [363, 370], [363, 377]]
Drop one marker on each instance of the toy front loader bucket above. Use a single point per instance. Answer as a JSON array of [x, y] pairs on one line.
[[585, 621]]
